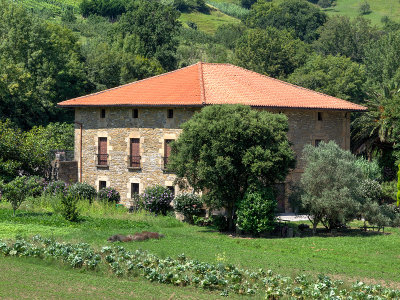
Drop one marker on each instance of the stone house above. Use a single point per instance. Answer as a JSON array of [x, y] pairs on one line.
[[122, 134]]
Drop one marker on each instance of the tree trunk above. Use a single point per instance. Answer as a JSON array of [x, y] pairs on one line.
[[314, 228], [229, 215]]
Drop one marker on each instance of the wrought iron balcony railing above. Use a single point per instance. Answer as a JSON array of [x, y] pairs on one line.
[[134, 162], [102, 160]]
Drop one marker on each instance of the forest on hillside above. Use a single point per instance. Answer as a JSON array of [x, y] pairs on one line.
[[53, 50]]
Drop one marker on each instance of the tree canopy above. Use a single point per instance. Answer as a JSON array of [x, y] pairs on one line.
[[224, 149]]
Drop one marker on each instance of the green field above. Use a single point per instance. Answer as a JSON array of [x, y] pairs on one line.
[[379, 8], [208, 22]]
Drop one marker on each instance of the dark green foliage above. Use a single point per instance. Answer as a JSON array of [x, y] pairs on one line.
[[56, 188], [68, 16], [69, 208], [247, 3], [82, 191], [157, 199], [156, 26], [324, 3], [229, 34], [225, 148], [105, 8], [40, 65], [298, 16], [389, 191], [337, 76], [270, 51], [35, 185], [256, 211], [191, 5], [109, 194], [364, 8], [189, 205], [342, 36], [16, 192], [220, 222], [398, 187], [330, 183], [29, 152]]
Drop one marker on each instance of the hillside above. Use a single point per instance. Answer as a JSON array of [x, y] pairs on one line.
[[379, 9]]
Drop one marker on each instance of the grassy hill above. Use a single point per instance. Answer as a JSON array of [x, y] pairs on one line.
[[379, 9]]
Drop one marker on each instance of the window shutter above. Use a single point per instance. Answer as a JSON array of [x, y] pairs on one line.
[[102, 159], [135, 153]]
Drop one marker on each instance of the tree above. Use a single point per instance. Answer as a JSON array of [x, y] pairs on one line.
[[271, 51], [157, 26], [342, 36], [224, 149], [330, 185], [40, 65], [337, 76], [382, 60], [298, 16], [105, 8], [398, 187], [16, 192], [364, 8]]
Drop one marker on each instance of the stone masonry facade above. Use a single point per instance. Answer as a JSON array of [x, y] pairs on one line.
[[152, 127]]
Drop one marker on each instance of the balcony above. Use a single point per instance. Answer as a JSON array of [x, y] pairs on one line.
[[134, 162], [102, 160]]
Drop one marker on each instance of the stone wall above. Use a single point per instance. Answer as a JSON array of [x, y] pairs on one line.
[[152, 127]]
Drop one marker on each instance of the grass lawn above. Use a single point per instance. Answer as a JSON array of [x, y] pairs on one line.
[[372, 257], [24, 278], [208, 22], [379, 8]]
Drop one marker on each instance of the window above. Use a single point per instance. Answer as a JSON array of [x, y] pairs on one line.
[[319, 116], [170, 113], [167, 152], [102, 113], [134, 190], [135, 113], [172, 189], [102, 156], [134, 157], [102, 185], [317, 142]]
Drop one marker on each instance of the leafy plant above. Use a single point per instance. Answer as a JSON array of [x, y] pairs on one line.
[[83, 191], [55, 188], [157, 199], [398, 187], [109, 194], [16, 192], [189, 205], [256, 212], [364, 8], [69, 208]]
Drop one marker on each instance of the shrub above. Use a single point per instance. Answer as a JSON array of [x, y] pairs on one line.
[[331, 184], [364, 8], [16, 192], [83, 191], [389, 191], [157, 199], [56, 187], [109, 194], [189, 205], [398, 187], [69, 208], [220, 221], [371, 190], [35, 185], [324, 3], [256, 212]]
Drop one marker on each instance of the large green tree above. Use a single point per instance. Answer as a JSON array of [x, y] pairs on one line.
[[270, 51], [157, 26], [333, 75], [224, 149], [298, 16], [40, 65], [342, 36]]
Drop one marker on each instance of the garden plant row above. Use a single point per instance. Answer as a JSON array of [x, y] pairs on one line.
[[185, 272]]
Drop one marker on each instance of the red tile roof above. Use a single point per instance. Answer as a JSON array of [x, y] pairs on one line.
[[206, 83]]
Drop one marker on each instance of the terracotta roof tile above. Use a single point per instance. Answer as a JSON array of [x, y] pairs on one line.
[[205, 83]]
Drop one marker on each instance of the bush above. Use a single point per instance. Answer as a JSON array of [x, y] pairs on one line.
[[189, 205], [55, 188], [35, 185], [109, 194], [69, 208], [331, 184], [364, 8], [220, 221], [157, 199], [324, 3], [83, 191], [16, 192], [256, 212], [389, 191]]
